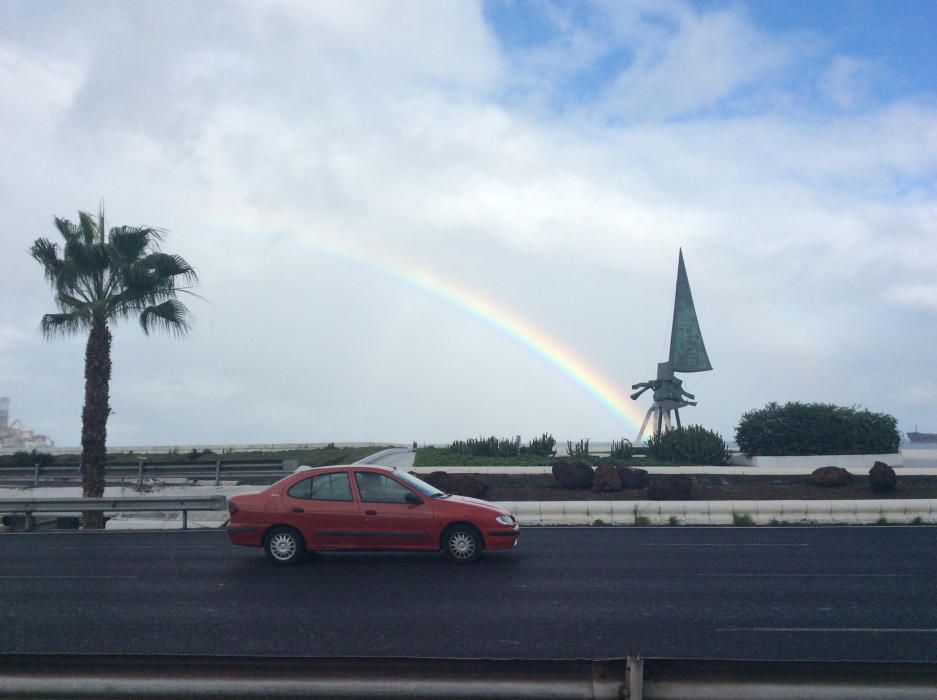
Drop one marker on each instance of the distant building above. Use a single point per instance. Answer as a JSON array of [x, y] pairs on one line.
[[15, 436]]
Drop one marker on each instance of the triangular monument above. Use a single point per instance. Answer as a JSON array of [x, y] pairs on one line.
[[687, 354]]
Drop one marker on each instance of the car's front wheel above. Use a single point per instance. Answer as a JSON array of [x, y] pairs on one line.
[[462, 544], [284, 546]]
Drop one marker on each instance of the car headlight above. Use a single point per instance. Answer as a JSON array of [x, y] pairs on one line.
[[505, 519]]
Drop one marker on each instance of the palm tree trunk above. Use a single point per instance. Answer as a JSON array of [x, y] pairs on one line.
[[94, 418]]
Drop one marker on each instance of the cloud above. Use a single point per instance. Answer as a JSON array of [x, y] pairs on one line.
[[922, 296], [311, 159], [704, 60], [846, 80]]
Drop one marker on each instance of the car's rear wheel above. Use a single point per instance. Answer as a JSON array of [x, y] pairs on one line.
[[284, 546], [462, 544]]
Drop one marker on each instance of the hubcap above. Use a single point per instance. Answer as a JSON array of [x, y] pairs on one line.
[[283, 546], [462, 545]]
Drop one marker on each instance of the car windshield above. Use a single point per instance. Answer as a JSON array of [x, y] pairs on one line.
[[419, 485]]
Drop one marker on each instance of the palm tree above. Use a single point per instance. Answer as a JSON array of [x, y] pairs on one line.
[[102, 277]]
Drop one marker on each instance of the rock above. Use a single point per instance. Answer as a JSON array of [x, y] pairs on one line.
[[670, 488], [829, 477], [457, 484], [438, 479], [466, 485], [606, 478], [633, 478], [882, 478], [573, 475]]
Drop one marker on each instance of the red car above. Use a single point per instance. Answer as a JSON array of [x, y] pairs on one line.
[[366, 507]]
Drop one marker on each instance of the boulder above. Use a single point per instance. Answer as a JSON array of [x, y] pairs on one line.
[[466, 485], [829, 477], [573, 475], [670, 488], [458, 484], [882, 478], [438, 479], [606, 478], [633, 478]]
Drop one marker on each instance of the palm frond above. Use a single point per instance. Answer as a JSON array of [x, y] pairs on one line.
[[68, 230], [46, 254], [171, 315], [87, 227], [127, 244], [165, 265], [53, 325]]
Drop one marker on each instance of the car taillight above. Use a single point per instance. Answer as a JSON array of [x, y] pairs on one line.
[[232, 507]]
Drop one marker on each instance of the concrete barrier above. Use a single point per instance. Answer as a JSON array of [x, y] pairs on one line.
[[691, 470], [860, 512]]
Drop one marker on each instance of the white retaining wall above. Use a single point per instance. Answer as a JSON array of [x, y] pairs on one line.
[[736, 471], [858, 512], [815, 461]]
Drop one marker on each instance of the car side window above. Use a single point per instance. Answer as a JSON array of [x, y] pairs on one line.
[[377, 488], [325, 487]]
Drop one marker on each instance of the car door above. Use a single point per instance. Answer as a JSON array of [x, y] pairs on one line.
[[323, 508], [395, 517]]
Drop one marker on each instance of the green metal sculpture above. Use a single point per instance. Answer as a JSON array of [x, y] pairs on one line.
[[687, 354]]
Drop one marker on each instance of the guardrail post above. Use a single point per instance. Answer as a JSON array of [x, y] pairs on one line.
[[140, 474], [217, 472], [635, 678], [29, 521], [185, 520], [36, 474]]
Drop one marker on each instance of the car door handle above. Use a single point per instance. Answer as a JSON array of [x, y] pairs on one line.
[[298, 510], [370, 512]]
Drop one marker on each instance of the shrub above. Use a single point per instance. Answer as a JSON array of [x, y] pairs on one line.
[[816, 429], [486, 447], [543, 446], [621, 449], [29, 459], [691, 445], [581, 449], [742, 519]]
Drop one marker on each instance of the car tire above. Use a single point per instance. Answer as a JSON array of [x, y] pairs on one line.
[[284, 546], [462, 544]]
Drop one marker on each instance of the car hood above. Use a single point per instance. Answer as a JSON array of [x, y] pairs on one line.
[[477, 502]]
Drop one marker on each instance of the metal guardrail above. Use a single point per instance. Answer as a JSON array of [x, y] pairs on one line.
[[216, 471], [29, 507], [119, 676]]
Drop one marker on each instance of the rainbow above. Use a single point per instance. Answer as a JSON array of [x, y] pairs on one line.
[[509, 323], [457, 295]]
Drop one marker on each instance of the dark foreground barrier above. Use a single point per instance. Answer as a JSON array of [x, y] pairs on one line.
[[91, 676], [30, 507], [217, 471]]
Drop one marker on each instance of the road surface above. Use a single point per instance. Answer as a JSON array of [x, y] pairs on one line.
[[857, 593]]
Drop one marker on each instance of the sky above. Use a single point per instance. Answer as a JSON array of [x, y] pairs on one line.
[[426, 221]]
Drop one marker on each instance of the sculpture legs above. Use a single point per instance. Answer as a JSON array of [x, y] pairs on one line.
[[661, 418]]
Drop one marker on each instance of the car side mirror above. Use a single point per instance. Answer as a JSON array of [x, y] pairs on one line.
[[412, 498]]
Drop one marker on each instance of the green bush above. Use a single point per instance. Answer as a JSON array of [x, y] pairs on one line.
[[543, 446], [29, 459], [621, 449], [816, 429], [485, 447], [441, 457], [580, 449], [691, 445]]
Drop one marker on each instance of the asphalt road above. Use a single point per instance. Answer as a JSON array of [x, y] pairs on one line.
[[845, 593]]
